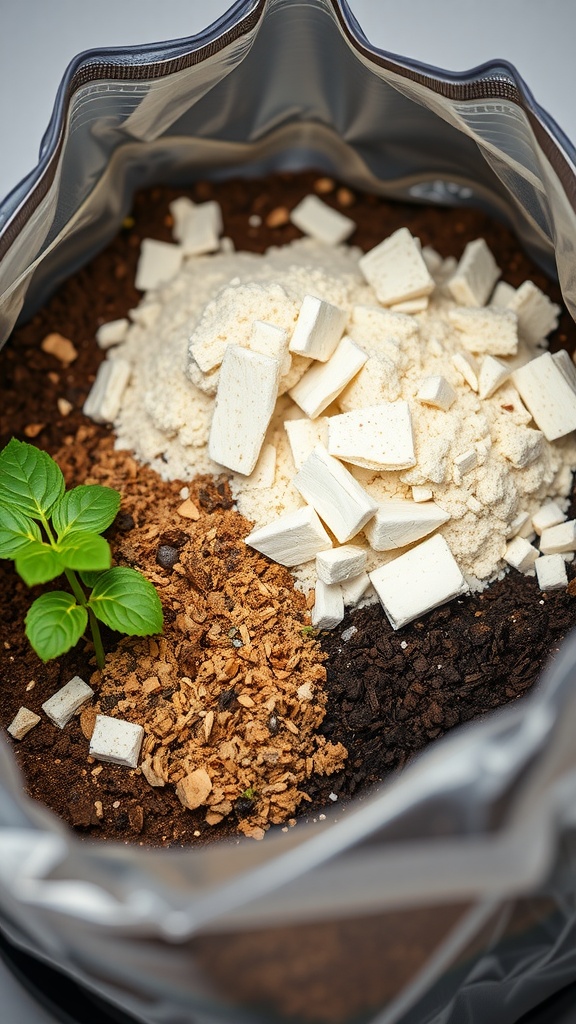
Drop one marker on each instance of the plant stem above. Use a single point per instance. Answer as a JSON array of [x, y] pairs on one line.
[[94, 628], [97, 639]]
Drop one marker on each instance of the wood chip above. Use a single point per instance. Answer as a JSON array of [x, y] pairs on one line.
[[278, 217], [61, 348], [188, 510], [193, 789], [33, 429]]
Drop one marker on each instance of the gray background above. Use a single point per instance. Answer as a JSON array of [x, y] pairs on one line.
[[38, 38]]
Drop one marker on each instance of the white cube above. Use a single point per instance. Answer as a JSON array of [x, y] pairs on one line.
[[436, 391], [291, 539], [418, 581], [116, 741], [319, 327], [550, 514], [520, 554], [65, 702], [475, 275], [399, 522], [320, 221], [551, 572], [328, 608], [103, 402], [556, 539], [375, 437], [112, 333], [396, 270], [340, 501], [338, 564], [159, 262], [354, 589]]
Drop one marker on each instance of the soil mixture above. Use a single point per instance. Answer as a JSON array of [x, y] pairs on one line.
[[387, 694]]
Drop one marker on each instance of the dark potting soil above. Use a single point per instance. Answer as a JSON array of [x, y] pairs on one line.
[[389, 693]]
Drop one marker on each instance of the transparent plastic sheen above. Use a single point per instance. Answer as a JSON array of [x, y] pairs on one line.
[[468, 857]]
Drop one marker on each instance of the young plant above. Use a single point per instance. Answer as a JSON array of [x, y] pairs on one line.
[[48, 531]]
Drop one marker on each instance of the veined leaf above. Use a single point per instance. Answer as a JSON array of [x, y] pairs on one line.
[[38, 563], [54, 624], [16, 531], [88, 577], [125, 600], [88, 508], [30, 481], [84, 551]]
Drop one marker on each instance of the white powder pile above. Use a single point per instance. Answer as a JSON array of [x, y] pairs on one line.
[[482, 460]]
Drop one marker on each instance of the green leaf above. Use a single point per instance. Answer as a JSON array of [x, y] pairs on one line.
[[124, 600], [38, 563], [84, 551], [30, 481], [16, 531], [88, 508], [54, 624], [89, 578]]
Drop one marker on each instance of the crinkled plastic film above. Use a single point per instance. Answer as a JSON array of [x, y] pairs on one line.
[[468, 857]]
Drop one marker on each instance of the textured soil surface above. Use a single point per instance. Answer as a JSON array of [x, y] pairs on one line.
[[388, 694]]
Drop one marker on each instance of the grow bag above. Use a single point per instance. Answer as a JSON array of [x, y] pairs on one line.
[[448, 894]]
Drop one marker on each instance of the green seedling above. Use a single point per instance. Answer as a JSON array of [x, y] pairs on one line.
[[48, 532]]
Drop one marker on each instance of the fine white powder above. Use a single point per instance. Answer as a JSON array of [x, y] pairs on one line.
[[176, 344]]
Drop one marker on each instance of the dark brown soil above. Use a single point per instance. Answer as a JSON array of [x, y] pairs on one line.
[[389, 694]]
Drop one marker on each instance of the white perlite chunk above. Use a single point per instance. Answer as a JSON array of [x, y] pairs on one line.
[[398, 523], [23, 721], [341, 563], [320, 221], [521, 525], [537, 314], [146, 314], [245, 401], [486, 331], [549, 515], [436, 391], [396, 269], [422, 494], [105, 396], [323, 382], [328, 609], [375, 437], [466, 364], [319, 328], [112, 333], [465, 463], [551, 572], [291, 539], [159, 262], [493, 373], [547, 394], [520, 554], [201, 228], [556, 539], [65, 702], [418, 581], [353, 590], [338, 498], [116, 741], [304, 435], [475, 275]]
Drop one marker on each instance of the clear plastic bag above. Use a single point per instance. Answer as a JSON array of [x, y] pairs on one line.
[[448, 895]]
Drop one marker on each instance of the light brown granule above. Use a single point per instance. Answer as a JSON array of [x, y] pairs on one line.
[[232, 694]]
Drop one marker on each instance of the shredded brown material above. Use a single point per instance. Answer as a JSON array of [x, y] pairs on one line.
[[232, 694]]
